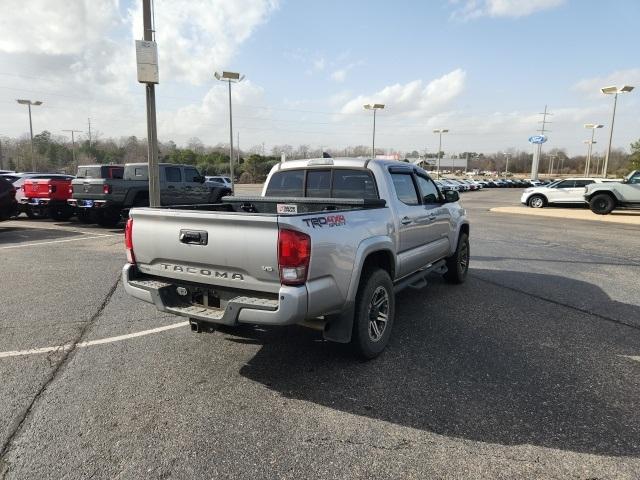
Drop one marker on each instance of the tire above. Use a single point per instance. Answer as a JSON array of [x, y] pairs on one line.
[[458, 263], [60, 213], [374, 314], [602, 204], [537, 201], [35, 213], [84, 216], [109, 218]]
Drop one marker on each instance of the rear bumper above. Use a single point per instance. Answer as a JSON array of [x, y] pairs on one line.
[[81, 203], [289, 308]]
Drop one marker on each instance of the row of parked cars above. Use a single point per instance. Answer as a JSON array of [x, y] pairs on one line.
[[467, 184], [103, 194]]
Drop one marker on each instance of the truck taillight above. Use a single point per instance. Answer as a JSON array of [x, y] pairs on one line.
[[128, 241], [70, 189], [106, 189], [294, 252]]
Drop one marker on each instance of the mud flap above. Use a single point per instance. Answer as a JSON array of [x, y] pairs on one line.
[[339, 327]]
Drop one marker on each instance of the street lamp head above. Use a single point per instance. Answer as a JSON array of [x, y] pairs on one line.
[[22, 101], [593, 125], [441, 130], [374, 106], [228, 76], [37, 102], [615, 90]]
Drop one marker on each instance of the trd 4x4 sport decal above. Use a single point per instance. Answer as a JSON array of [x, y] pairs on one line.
[[327, 221]]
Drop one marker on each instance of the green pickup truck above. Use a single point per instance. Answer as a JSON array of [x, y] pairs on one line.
[[102, 194], [603, 198]]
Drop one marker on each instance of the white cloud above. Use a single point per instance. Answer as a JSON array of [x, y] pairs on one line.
[[196, 37], [207, 118], [339, 75], [319, 64], [592, 86], [414, 98], [501, 8], [61, 27]]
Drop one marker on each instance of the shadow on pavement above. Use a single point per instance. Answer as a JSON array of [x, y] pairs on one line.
[[18, 235], [477, 362]]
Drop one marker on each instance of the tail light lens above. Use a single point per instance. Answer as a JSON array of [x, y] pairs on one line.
[[128, 241], [70, 189], [106, 189], [294, 252]]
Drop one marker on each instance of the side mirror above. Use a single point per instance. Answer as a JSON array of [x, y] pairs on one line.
[[429, 199], [451, 196]]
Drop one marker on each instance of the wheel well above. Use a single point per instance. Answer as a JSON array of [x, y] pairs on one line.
[[542, 195], [380, 259], [464, 228], [141, 196], [604, 192]]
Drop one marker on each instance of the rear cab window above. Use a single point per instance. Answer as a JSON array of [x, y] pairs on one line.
[[323, 183], [405, 188]]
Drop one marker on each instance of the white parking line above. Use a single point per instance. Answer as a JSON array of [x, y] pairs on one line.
[[632, 357], [24, 245], [102, 341]]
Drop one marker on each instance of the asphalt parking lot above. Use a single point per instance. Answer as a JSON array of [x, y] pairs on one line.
[[531, 369]]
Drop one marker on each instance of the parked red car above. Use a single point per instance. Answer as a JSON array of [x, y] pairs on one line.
[[47, 197]]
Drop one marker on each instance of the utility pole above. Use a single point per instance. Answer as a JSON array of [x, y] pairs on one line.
[[538, 156], [89, 120], [148, 74], [238, 143], [29, 103], [73, 146], [1, 156]]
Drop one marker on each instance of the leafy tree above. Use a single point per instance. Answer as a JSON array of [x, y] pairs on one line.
[[634, 158]]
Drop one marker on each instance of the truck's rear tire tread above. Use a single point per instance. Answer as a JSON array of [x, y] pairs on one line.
[[361, 341]]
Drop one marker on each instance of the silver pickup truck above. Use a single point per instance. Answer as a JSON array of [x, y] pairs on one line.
[[327, 245]]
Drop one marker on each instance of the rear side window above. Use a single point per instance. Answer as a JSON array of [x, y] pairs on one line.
[[140, 172], [115, 172], [173, 174], [288, 183], [405, 188], [191, 175], [583, 183], [565, 184]]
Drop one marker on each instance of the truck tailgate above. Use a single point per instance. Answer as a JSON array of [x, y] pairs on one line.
[[240, 250], [89, 188]]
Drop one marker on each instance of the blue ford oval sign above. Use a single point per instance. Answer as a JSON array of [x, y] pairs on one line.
[[537, 139]]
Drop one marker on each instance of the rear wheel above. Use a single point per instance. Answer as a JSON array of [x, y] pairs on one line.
[[84, 216], [537, 201], [108, 218], [458, 263], [60, 213], [36, 213], [374, 314], [602, 204]]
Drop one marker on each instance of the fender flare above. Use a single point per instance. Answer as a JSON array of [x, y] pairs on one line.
[[339, 327]]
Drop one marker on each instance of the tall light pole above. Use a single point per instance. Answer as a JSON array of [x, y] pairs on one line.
[[593, 127], [374, 107], [612, 91], [73, 145], [440, 131], [230, 77], [29, 103], [506, 168]]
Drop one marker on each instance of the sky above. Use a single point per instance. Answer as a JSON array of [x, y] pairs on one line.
[[484, 69]]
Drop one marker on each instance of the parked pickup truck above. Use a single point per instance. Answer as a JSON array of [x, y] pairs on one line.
[[603, 198], [328, 244], [47, 197], [103, 195]]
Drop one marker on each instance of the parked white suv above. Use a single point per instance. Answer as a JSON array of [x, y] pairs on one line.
[[567, 191]]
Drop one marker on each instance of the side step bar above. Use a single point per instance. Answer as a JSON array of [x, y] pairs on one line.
[[418, 280]]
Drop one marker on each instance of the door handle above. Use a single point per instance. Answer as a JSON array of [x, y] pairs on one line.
[[405, 221], [431, 217], [171, 186]]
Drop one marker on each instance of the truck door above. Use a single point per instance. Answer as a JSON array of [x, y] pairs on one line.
[[438, 215], [194, 190], [172, 187], [416, 232]]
